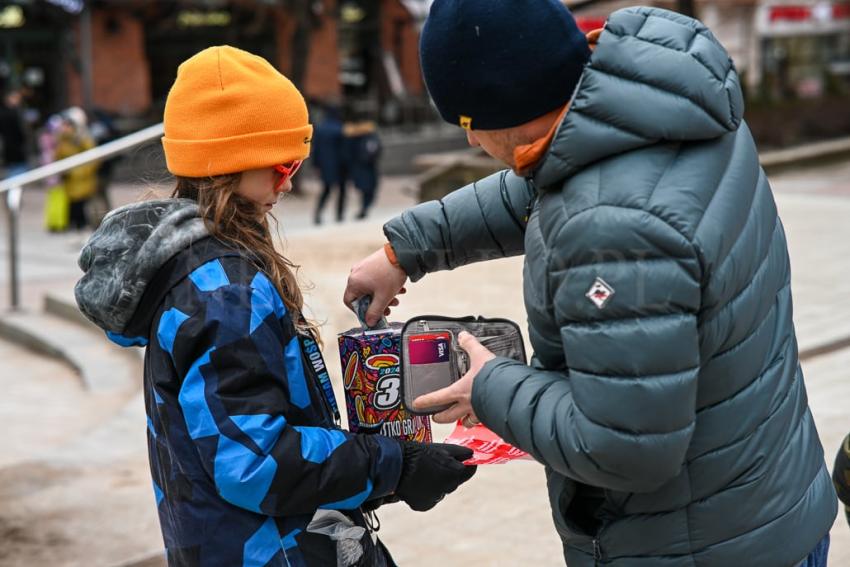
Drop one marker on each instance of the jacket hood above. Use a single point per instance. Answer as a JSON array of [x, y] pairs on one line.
[[654, 76], [123, 257]]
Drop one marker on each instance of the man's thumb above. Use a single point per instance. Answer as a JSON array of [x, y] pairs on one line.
[[469, 343]]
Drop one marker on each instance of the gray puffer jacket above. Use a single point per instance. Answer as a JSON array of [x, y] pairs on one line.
[[666, 398]]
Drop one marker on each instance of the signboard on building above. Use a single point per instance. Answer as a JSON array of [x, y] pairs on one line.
[[795, 19]]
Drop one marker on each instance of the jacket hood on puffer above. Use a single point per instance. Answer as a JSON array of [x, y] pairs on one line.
[[123, 256], [654, 76]]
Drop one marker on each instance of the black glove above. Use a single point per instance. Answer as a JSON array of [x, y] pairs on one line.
[[429, 471]]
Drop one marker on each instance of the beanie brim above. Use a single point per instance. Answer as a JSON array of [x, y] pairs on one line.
[[205, 158]]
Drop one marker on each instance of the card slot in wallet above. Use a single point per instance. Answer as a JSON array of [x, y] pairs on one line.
[[432, 359], [498, 343], [431, 364]]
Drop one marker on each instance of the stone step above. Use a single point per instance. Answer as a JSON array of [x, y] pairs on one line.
[[153, 559], [63, 305], [102, 366]]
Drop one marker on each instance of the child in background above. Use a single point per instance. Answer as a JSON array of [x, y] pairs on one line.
[[56, 201], [81, 182], [248, 463]]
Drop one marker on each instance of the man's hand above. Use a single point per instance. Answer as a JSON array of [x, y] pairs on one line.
[[459, 394], [377, 277]]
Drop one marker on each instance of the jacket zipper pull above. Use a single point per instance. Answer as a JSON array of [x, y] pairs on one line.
[[530, 208], [597, 551]]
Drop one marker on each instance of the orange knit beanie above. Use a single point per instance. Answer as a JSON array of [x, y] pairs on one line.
[[230, 111]]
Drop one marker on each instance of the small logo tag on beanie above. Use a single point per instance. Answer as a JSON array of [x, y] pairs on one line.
[[465, 122]]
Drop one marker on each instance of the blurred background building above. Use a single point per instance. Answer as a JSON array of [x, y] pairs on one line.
[[793, 57], [121, 56]]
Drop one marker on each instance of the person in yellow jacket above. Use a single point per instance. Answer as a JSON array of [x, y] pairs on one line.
[[81, 182]]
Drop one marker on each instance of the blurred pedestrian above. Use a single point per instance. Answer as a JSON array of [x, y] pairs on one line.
[[362, 151], [328, 158], [56, 206], [81, 182], [13, 134], [665, 398], [249, 464]]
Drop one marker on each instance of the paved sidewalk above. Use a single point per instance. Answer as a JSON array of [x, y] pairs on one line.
[[502, 516]]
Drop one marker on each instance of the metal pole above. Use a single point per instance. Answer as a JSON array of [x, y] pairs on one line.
[[686, 7], [86, 58], [13, 208]]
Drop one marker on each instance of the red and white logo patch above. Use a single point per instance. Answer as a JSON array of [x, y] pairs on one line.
[[599, 293]]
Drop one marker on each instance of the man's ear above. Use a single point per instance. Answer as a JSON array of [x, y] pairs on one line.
[[593, 37]]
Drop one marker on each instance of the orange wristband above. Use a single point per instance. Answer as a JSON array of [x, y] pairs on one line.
[[388, 250]]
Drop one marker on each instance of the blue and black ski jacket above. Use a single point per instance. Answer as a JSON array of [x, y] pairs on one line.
[[243, 447]]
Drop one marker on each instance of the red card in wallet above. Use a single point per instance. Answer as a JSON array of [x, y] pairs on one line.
[[489, 448]]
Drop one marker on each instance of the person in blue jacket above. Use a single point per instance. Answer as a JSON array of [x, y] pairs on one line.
[[362, 149], [249, 464], [330, 162]]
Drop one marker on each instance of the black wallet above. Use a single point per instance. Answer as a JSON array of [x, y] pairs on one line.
[[432, 359]]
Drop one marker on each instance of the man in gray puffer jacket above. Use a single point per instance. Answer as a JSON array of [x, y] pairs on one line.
[[665, 397]]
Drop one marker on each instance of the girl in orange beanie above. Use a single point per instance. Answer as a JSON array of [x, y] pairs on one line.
[[249, 464]]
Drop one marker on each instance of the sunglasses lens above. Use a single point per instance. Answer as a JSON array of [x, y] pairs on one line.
[[286, 171]]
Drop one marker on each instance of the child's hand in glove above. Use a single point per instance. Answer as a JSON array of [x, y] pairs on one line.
[[430, 471]]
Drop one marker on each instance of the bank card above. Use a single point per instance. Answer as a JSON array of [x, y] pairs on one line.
[[430, 348]]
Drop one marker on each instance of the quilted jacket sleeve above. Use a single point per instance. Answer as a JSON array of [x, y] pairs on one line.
[[620, 415], [243, 383], [482, 221]]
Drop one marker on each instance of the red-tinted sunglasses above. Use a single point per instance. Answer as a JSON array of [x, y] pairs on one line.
[[286, 171]]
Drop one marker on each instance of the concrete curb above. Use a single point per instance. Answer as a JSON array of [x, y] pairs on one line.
[[152, 559], [65, 307], [20, 335], [808, 154], [827, 347], [100, 365], [59, 306]]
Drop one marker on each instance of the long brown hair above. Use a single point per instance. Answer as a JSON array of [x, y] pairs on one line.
[[235, 221]]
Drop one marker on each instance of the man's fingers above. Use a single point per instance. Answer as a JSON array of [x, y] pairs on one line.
[[349, 296], [450, 415], [377, 308], [441, 397], [471, 345]]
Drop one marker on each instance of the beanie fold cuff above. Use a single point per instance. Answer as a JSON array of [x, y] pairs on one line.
[[221, 156]]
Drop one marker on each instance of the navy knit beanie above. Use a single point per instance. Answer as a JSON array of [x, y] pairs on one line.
[[493, 64]]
